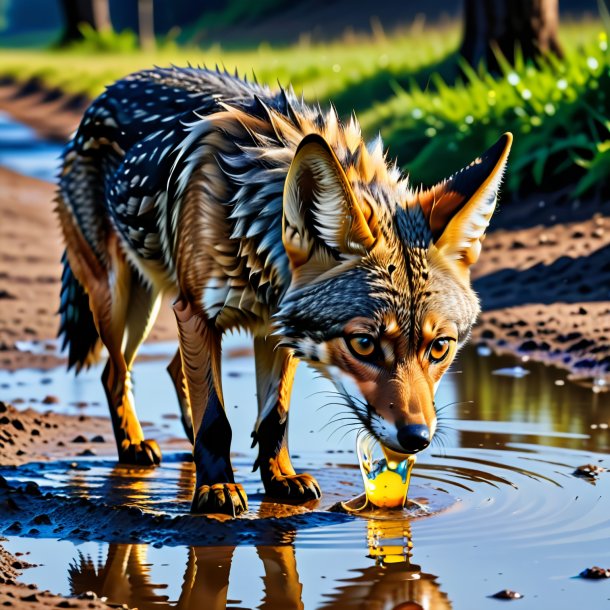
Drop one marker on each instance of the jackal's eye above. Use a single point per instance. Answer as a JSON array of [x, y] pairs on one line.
[[439, 348], [362, 346]]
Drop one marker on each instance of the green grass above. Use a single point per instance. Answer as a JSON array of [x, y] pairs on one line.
[[321, 71], [558, 112], [407, 87]]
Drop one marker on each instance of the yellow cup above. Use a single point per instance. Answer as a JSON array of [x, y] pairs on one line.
[[386, 474]]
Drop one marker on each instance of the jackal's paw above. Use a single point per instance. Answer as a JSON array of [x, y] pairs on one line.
[[225, 498], [295, 487], [146, 453]]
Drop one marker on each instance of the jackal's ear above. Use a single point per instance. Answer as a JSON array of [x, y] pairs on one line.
[[458, 209], [321, 212]]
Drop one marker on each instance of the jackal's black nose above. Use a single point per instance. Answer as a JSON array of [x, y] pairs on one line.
[[414, 438]]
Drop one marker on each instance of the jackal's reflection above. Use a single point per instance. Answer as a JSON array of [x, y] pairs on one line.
[[390, 581]]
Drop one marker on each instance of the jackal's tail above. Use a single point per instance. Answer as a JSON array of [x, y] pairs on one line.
[[77, 326]]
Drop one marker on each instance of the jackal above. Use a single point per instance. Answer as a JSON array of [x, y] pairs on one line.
[[255, 210]]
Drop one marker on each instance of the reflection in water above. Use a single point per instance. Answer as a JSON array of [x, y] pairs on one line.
[[393, 581], [125, 577], [541, 408], [390, 581]]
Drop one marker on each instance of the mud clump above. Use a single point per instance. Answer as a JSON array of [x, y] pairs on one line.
[[507, 594], [595, 573]]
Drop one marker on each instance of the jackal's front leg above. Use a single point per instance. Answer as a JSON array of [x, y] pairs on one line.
[[275, 369], [215, 487]]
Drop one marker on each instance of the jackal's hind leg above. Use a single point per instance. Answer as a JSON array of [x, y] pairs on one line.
[[123, 325], [275, 369], [175, 372], [215, 487]]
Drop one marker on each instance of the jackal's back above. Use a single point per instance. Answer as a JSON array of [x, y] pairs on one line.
[[188, 167]]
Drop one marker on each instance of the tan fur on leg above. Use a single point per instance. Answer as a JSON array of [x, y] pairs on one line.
[[200, 352]]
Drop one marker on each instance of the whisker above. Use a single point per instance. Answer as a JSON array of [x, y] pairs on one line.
[[341, 439], [349, 419], [351, 427]]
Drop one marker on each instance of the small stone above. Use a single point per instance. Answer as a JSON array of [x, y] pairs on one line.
[[98, 439], [79, 439], [595, 573], [86, 453], [50, 400], [528, 346], [42, 519], [589, 470], [30, 598], [32, 488], [507, 594], [18, 424], [88, 595]]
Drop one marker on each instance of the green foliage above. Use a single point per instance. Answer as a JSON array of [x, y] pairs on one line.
[[557, 110], [105, 41]]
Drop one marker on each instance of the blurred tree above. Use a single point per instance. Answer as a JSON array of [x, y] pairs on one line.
[[95, 13], [503, 25], [4, 6], [146, 24]]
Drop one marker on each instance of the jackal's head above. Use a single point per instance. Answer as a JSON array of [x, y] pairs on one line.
[[380, 290]]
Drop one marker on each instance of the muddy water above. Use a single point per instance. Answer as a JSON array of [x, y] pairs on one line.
[[501, 505]]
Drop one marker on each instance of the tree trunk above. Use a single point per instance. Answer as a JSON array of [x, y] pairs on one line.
[[95, 13], [504, 25], [146, 21]]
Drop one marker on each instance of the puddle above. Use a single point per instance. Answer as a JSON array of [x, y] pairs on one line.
[[505, 509], [23, 151]]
